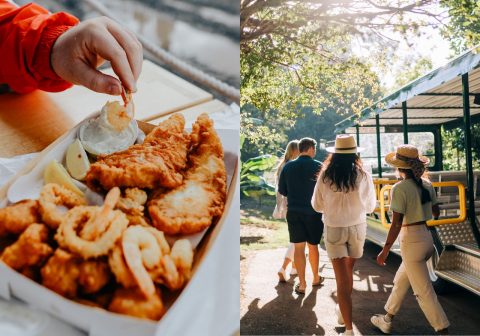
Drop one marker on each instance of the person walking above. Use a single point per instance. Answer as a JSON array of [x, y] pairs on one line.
[[280, 211], [344, 193], [413, 202], [305, 226]]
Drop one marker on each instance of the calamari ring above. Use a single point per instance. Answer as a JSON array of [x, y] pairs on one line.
[[99, 221], [120, 268], [68, 238], [141, 251], [51, 196]]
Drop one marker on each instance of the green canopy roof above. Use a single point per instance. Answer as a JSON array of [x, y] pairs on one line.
[[433, 99]]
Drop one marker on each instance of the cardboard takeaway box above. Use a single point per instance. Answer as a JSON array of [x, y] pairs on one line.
[[208, 305]]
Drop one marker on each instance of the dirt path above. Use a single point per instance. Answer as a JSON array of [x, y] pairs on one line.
[[269, 307]]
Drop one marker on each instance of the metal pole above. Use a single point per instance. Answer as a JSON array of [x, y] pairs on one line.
[[358, 135], [405, 124], [379, 150], [438, 148], [468, 155]]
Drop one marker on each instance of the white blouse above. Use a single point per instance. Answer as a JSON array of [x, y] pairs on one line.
[[342, 209]]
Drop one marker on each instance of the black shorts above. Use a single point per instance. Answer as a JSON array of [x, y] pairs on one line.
[[304, 228]]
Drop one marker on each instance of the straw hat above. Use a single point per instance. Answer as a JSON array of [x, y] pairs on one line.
[[345, 144], [404, 153]]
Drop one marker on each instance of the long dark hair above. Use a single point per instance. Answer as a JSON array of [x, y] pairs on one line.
[[342, 171], [424, 193]]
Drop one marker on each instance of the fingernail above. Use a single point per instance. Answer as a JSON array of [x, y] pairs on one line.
[[114, 90]]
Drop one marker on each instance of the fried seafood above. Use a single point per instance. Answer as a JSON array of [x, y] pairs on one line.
[[155, 163], [142, 252], [31, 249], [146, 257], [119, 267], [15, 218], [175, 268], [192, 207], [94, 275], [118, 116], [61, 272], [132, 204], [99, 221], [68, 238], [53, 195], [134, 303]]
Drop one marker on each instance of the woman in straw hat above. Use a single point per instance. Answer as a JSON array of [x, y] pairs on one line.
[[280, 211], [413, 201], [344, 193]]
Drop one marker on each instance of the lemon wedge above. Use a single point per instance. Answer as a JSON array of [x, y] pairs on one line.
[[77, 160], [56, 173]]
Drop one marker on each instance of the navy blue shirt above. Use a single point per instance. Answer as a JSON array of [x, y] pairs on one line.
[[297, 181]]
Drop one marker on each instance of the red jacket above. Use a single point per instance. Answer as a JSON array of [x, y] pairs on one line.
[[27, 35]]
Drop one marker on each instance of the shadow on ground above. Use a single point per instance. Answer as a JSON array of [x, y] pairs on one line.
[[276, 321], [268, 307]]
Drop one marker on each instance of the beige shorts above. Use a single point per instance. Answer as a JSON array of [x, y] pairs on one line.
[[345, 241]]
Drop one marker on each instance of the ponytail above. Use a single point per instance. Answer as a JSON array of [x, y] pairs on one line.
[[424, 193]]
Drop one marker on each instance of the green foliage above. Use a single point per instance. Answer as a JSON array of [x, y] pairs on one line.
[[463, 29], [252, 181], [454, 148], [297, 54]]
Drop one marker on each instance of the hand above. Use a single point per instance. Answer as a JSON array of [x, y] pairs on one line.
[[78, 52], [382, 256]]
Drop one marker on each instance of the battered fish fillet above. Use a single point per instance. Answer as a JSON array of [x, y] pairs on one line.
[[31, 249], [192, 207], [132, 302], [61, 273], [15, 218], [155, 163]]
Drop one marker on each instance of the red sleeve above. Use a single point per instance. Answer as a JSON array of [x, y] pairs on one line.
[[27, 35]]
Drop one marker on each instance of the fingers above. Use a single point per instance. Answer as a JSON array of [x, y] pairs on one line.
[[132, 47], [107, 47], [96, 80]]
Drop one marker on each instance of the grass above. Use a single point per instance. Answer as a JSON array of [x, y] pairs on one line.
[[258, 230]]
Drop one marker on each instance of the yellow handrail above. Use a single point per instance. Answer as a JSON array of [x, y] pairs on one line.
[[379, 182], [461, 199]]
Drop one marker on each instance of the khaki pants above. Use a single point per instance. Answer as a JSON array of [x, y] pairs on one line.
[[416, 246]]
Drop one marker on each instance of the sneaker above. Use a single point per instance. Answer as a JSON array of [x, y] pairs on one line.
[[293, 272], [339, 315], [282, 277], [347, 333], [378, 321]]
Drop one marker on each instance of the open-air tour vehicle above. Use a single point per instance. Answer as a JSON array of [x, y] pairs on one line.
[[444, 99]]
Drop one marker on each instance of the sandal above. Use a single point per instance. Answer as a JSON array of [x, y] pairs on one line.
[[298, 290], [319, 282]]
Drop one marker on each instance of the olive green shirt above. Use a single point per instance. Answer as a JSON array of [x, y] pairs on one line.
[[407, 200]]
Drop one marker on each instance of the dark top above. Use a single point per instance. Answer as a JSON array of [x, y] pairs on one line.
[[297, 181]]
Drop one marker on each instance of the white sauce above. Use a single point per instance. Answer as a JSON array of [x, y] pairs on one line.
[[98, 137]]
